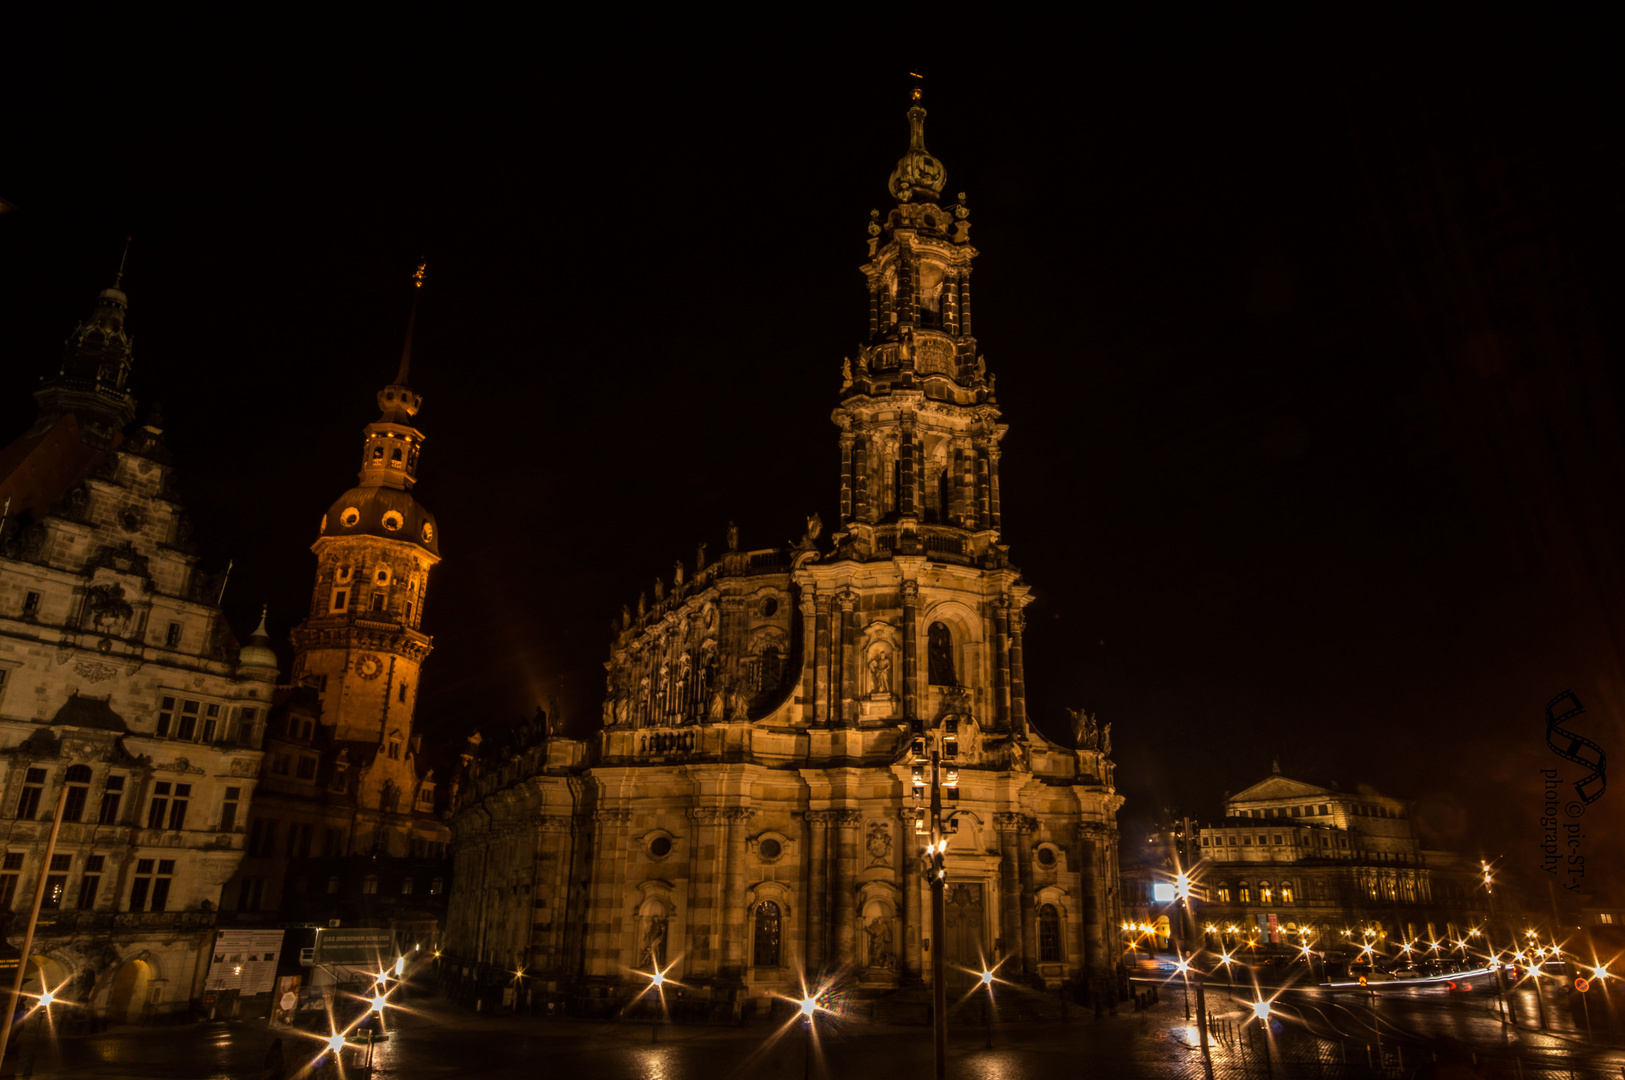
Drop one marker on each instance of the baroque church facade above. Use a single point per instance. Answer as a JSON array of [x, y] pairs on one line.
[[129, 717], [746, 811]]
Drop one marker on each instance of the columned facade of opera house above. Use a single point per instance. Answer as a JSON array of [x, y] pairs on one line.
[[745, 813]]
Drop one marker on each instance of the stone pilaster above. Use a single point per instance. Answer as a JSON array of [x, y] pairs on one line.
[[703, 890], [821, 643], [1001, 664], [860, 480], [907, 457], [846, 476], [733, 902], [910, 632], [809, 664], [1009, 826], [817, 822], [843, 888], [994, 517], [1024, 874], [849, 661], [606, 922], [911, 848], [1018, 678], [984, 513]]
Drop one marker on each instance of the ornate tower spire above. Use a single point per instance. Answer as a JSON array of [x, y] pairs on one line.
[[374, 554], [919, 428], [91, 382]]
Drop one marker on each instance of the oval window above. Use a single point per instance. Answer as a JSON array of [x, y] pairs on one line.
[[1046, 857], [770, 607], [660, 847], [350, 516], [393, 520], [771, 849], [428, 533]]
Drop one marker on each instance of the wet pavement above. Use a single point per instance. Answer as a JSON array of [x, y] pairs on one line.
[[1316, 1034]]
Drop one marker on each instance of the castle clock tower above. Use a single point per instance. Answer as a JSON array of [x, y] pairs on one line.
[[361, 645]]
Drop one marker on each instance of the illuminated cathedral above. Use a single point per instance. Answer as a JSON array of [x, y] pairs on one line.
[[745, 811]]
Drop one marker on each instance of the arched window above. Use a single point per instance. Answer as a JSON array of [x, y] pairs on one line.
[[1286, 892], [1244, 893], [941, 648], [1266, 895], [78, 781], [1049, 934], [766, 952], [1224, 892], [396, 456]]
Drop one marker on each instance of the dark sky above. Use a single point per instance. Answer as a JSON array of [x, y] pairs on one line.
[[1303, 333]]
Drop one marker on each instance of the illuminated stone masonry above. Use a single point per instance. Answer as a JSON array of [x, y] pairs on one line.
[[121, 683], [350, 823], [745, 811]]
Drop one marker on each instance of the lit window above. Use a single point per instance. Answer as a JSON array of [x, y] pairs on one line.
[[1245, 893], [1266, 895], [1224, 892], [1286, 892]]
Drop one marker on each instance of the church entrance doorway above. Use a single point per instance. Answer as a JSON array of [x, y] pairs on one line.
[[965, 908]]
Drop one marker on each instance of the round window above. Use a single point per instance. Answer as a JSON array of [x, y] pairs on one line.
[[771, 849], [770, 607], [350, 516], [1046, 857], [393, 520], [660, 847]]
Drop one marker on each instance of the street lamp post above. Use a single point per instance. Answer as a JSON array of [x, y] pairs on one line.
[[943, 762]]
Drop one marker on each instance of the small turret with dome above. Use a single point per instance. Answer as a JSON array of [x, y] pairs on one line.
[[258, 651]]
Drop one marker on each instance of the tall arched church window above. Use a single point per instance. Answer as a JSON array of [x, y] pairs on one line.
[[766, 951], [1049, 935], [941, 649], [1244, 893]]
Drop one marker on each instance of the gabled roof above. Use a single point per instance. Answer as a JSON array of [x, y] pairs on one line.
[[90, 712], [1277, 786]]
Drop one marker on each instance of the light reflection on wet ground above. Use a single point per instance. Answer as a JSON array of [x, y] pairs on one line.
[[437, 1040]]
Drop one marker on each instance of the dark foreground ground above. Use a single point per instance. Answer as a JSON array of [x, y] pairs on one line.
[[1419, 1034]]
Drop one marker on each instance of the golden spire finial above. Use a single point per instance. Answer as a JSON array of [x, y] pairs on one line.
[[914, 94], [121, 261], [411, 323]]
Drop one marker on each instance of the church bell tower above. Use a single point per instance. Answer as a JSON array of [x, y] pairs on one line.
[[361, 644]]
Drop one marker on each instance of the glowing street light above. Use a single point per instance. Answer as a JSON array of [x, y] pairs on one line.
[[987, 978], [46, 998], [657, 980], [1261, 1009], [400, 965]]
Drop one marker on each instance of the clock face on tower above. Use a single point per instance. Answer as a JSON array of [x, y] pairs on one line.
[[368, 666]]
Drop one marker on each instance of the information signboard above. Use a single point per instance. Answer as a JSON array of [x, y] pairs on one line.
[[358, 947], [244, 961]]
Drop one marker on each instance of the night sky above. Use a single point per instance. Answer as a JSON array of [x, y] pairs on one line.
[[1307, 338]]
